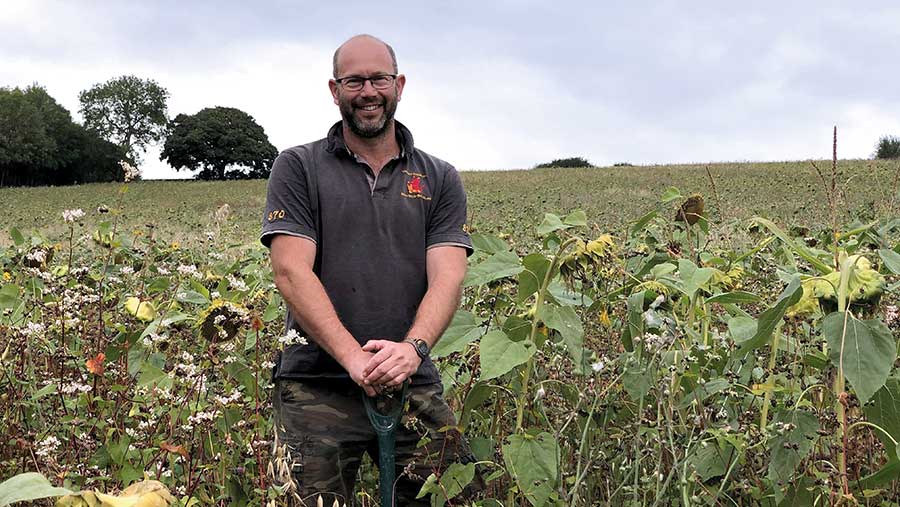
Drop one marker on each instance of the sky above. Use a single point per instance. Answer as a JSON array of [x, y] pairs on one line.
[[499, 84]]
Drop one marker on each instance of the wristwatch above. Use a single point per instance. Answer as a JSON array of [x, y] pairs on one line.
[[421, 347]]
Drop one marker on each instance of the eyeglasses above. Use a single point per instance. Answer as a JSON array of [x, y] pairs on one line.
[[356, 83]]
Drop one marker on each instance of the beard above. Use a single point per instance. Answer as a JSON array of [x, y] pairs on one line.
[[368, 128]]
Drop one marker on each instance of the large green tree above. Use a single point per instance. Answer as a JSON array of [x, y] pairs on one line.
[[24, 140], [41, 145], [128, 111], [888, 147], [223, 142]]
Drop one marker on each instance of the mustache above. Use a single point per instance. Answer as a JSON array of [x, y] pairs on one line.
[[369, 103]]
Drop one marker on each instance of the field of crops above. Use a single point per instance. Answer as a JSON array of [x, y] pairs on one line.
[[507, 202], [619, 343]]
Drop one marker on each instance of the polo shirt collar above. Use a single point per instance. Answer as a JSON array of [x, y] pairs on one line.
[[335, 139]]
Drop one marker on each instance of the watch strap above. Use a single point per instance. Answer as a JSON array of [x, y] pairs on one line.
[[422, 348]]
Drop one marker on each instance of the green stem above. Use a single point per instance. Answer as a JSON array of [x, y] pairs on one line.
[[802, 394], [770, 383], [705, 325], [727, 475], [579, 474], [877, 427], [659, 450], [538, 304], [853, 232], [637, 454], [689, 240], [692, 302], [843, 295]]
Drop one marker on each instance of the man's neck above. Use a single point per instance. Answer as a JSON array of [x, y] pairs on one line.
[[376, 151]]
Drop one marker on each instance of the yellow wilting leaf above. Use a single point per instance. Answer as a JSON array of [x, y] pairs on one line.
[[82, 499], [760, 389], [147, 486], [601, 246], [148, 494], [116, 501], [153, 499], [140, 494], [143, 310]]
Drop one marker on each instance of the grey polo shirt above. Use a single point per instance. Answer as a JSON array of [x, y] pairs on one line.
[[371, 234]]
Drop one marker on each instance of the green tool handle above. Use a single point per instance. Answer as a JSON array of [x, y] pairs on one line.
[[385, 426]]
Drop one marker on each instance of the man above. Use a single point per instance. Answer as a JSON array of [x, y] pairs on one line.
[[367, 242]]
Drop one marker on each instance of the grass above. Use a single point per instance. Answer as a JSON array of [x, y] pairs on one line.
[[499, 201]]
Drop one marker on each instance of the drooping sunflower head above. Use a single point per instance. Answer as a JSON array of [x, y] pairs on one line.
[[691, 210], [595, 258], [222, 320]]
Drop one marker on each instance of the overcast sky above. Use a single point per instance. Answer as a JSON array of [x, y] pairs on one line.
[[500, 85]]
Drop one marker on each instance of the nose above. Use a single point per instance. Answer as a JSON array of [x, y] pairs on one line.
[[368, 88]]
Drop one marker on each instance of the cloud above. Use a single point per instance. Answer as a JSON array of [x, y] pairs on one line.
[[503, 84]]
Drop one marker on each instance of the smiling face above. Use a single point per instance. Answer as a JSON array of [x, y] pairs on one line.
[[368, 112]]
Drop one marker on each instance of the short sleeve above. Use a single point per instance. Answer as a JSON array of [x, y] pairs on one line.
[[447, 225], [288, 209]]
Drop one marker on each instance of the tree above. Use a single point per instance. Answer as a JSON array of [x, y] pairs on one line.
[[888, 147], [217, 139], [23, 137], [64, 134], [41, 145], [128, 111], [566, 162], [95, 159]]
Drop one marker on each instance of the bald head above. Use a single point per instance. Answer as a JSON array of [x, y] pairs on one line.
[[362, 43]]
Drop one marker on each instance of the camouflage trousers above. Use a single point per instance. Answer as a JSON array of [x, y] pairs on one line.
[[326, 429]]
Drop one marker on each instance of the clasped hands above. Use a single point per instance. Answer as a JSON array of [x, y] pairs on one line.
[[383, 364]]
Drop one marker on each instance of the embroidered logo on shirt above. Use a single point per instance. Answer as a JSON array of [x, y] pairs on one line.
[[275, 215], [415, 186]]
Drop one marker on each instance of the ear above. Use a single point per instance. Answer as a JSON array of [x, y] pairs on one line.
[[333, 86], [401, 82]]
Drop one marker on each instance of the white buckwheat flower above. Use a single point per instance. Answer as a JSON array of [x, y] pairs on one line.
[[39, 256], [236, 283], [292, 337], [47, 446], [190, 270], [892, 316], [131, 172], [33, 329], [73, 215], [75, 387]]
